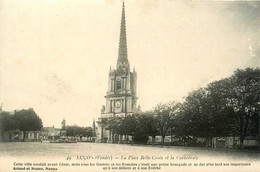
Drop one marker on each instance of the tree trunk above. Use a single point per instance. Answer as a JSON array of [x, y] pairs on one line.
[[112, 136], [171, 137], [24, 132], [163, 140], [127, 139], [208, 142], [153, 140], [242, 138]]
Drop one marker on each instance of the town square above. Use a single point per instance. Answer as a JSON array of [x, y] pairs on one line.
[[129, 85]]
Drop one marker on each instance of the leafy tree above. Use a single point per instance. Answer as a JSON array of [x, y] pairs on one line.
[[89, 131], [6, 122], [224, 107], [243, 95], [205, 114], [184, 124], [114, 125], [165, 115], [129, 125], [77, 131], [197, 112], [147, 126], [222, 115], [27, 120]]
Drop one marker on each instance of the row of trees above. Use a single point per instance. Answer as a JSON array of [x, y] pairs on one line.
[[144, 124], [23, 120], [77, 131], [28, 120], [228, 107]]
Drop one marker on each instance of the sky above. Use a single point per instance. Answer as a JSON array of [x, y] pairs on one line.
[[55, 55]]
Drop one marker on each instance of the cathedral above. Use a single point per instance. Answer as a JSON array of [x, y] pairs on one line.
[[121, 93]]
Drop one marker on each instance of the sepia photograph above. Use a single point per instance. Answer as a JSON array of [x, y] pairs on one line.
[[129, 85]]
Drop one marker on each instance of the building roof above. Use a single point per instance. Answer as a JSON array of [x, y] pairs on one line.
[[122, 61]]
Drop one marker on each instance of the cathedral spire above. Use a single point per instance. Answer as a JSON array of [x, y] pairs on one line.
[[122, 61]]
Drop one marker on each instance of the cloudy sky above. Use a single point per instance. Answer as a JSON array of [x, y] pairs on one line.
[[56, 54]]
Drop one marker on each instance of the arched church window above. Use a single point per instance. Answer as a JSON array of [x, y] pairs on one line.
[[118, 84], [112, 85]]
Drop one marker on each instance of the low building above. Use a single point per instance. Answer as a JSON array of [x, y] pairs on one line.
[[13, 136], [17, 135], [33, 136], [50, 133], [233, 142], [46, 133], [2, 130]]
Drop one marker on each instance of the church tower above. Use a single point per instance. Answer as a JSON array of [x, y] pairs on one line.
[[121, 94]]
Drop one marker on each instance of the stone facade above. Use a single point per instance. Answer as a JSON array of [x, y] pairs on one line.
[[50, 133], [46, 133], [233, 142], [17, 135], [121, 96]]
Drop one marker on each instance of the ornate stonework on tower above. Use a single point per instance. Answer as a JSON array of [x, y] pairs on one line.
[[121, 94]]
